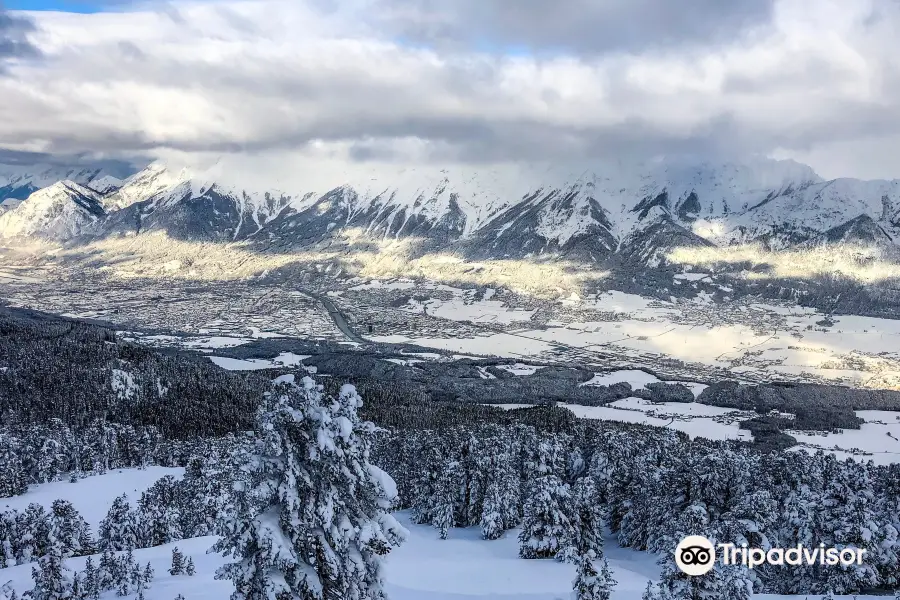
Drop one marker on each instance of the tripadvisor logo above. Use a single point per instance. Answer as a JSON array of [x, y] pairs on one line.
[[696, 555]]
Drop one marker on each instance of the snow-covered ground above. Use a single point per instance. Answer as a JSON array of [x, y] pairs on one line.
[[189, 342], [375, 284], [463, 567], [696, 420], [519, 369], [285, 359], [752, 340], [638, 380], [878, 438], [92, 496], [465, 307]]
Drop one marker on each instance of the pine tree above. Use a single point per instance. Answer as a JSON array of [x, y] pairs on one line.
[[119, 531], [135, 575], [177, 567], [107, 572], [189, 567], [492, 521], [677, 585], [160, 521], [446, 498], [13, 480], [316, 516], [69, 529], [424, 489], [34, 533], [8, 534], [587, 522], [651, 593], [500, 507], [847, 520], [546, 529], [590, 584], [147, 577], [77, 592], [90, 578], [179, 597], [52, 579]]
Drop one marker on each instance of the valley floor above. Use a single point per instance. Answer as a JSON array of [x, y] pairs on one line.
[[463, 567]]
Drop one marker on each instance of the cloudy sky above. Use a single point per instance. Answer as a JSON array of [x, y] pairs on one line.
[[456, 80]]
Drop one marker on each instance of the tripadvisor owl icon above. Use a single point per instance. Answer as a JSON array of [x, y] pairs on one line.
[[695, 555]]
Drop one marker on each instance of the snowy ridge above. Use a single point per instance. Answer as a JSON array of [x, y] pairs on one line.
[[144, 185], [20, 181], [585, 212], [59, 212], [105, 184]]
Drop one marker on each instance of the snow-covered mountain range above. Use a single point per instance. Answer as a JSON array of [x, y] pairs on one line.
[[18, 182], [584, 214]]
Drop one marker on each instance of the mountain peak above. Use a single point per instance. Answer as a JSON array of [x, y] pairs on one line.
[[57, 212]]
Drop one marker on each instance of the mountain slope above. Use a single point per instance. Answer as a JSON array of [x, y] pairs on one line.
[[59, 212], [189, 211]]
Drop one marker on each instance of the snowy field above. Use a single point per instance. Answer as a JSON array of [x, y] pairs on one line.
[[187, 342], [465, 307], [463, 567], [285, 359], [751, 340], [92, 496], [696, 420], [878, 439]]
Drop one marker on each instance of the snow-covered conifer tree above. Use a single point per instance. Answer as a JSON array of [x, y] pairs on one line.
[[158, 510], [317, 521], [8, 535], [69, 528], [446, 498], [13, 481], [89, 578], [492, 522], [107, 571], [177, 567], [546, 528], [119, 530], [425, 486], [587, 521], [589, 583], [52, 579]]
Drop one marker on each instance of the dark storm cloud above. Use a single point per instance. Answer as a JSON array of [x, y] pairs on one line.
[[115, 167], [14, 42]]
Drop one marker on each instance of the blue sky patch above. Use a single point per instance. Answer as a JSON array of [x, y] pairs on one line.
[[61, 5]]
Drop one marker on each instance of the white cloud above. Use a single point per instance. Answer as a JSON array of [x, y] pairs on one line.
[[805, 78]]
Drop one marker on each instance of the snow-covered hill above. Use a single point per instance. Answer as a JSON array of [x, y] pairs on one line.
[[586, 214]]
